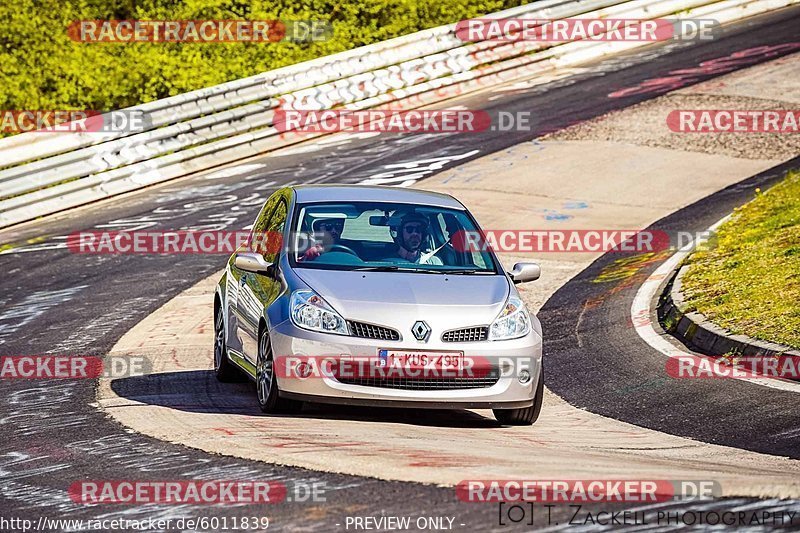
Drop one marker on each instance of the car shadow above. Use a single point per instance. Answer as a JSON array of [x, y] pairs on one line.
[[199, 391]]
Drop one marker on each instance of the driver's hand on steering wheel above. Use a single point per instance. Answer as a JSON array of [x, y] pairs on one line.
[[312, 253]]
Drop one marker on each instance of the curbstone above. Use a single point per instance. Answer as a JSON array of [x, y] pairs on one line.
[[699, 333]]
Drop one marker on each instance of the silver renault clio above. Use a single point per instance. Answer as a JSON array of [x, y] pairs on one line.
[[369, 296]]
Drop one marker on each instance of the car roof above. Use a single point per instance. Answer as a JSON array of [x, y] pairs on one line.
[[373, 193]]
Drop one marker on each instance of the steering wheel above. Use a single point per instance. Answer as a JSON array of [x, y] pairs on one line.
[[342, 248]]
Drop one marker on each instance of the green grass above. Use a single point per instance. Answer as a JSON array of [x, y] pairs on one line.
[[748, 278]]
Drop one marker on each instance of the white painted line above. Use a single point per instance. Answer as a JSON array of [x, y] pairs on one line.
[[233, 171], [641, 308]]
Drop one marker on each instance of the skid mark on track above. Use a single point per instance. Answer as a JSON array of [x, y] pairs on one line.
[[32, 307]]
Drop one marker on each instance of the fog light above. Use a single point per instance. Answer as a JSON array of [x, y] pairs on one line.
[[524, 376]]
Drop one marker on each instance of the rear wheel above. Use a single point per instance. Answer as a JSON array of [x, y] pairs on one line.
[[269, 399], [527, 415], [223, 368]]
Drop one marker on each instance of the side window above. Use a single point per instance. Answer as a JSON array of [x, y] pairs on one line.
[[260, 225], [274, 232]]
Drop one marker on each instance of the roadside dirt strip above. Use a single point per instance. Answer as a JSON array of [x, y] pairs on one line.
[[586, 183]]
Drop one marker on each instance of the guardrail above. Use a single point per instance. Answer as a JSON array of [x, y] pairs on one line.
[[49, 172]]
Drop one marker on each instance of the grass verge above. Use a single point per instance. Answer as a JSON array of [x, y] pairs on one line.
[[747, 280]]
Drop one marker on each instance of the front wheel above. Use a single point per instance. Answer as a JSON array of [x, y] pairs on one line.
[[527, 415], [269, 399]]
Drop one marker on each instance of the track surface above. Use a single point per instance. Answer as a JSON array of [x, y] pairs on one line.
[[55, 302]]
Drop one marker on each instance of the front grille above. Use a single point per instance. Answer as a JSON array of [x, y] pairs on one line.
[[476, 333], [371, 331], [424, 383]]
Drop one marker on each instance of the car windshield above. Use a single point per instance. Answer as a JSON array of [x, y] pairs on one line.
[[383, 236]]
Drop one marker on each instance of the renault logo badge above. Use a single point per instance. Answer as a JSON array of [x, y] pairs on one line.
[[421, 330]]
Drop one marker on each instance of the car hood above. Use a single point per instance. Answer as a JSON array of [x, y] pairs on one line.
[[398, 299]]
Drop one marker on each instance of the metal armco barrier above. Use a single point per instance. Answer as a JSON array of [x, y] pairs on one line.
[[44, 173]]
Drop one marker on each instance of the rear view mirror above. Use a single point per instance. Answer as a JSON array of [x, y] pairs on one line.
[[252, 262], [378, 220], [524, 272]]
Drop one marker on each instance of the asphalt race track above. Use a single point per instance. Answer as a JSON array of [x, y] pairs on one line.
[[54, 302]]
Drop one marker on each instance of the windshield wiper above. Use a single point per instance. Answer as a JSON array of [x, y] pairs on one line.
[[382, 268], [394, 268], [466, 271]]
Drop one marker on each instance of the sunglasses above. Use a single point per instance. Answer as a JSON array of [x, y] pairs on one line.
[[414, 229], [326, 226]]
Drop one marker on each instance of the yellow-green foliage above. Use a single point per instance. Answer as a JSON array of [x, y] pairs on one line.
[[748, 281], [43, 69]]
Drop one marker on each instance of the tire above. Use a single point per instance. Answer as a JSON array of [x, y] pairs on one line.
[[527, 415], [267, 389], [225, 371]]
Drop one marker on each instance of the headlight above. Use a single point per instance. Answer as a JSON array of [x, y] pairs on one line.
[[513, 321], [310, 311]]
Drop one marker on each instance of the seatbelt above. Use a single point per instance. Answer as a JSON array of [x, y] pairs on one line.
[[423, 258]]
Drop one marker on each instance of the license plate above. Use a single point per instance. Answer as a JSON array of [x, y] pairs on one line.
[[414, 359]]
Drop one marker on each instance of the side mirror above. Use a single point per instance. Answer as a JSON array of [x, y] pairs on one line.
[[252, 262], [524, 272]]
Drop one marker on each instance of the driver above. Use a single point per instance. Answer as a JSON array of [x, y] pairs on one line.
[[410, 236], [327, 232]]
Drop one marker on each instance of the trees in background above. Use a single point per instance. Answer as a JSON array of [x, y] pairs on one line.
[[42, 68]]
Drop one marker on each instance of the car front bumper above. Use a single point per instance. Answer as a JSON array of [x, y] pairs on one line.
[[291, 343]]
